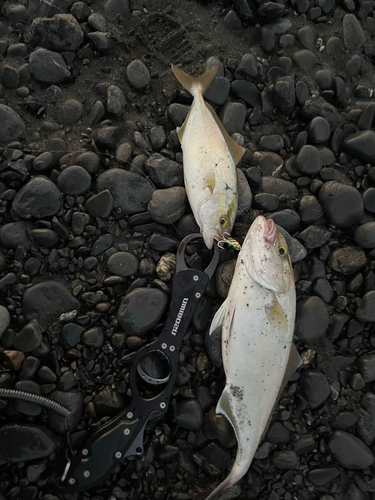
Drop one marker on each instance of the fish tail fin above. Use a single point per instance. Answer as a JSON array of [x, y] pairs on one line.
[[192, 84]]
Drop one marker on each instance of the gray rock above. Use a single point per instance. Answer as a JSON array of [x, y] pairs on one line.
[[342, 204], [310, 209], [100, 205], [59, 33], [323, 475], [167, 205], [157, 138], [118, 8], [22, 442], [123, 264], [130, 192], [89, 160], [288, 219], [314, 236], [115, 100], [217, 93], [247, 67], [245, 196], [284, 95], [39, 198], [176, 113], [189, 414], [69, 112], [74, 180], [138, 74], [349, 451], [93, 337], [25, 407], [315, 388], [286, 459], [108, 402], [141, 310], [308, 160], [29, 338], [71, 400], [13, 127], [347, 260], [46, 301], [272, 142], [319, 130], [4, 320], [233, 115], [223, 277], [274, 185], [307, 37], [267, 162], [361, 145], [165, 173], [14, 234], [354, 38], [305, 60], [364, 235], [102, 41], [366, 307], [369, 199], [366, 365], [47, 66], [312, 319]]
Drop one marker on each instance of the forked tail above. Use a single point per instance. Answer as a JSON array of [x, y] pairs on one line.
[[192, 84]]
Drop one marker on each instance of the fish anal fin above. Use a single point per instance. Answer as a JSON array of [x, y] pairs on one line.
[[201, 83], [237, 151]]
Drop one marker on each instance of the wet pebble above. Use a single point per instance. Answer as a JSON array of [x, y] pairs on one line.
[[233, 115], [288, 219], [347, 260], [23, 442], [71, 334], [353, 32], [47, 66], [314, 388], [314, 236], [361, 145], [278, 187], [312, 319], [93, 337], [123, 264], [74, 180], [163, 242], [165, 173], [349, 451], [59, 33], [141, 310], [157, 138], [364, 235], [138, 74], [323, 475], [284, 95], [29, 338], [167, 205], [4, 319], [248, 92], [286, 459], [245, 196], [309, 161], [274, 142], [13, 126], [100, 205], [25, 407], [366, 307], [223, 277], [71, 400], [189, 414], [115, 100], [310, 209], [319, 130], [217, 92], [342, 204], [38, 198], [268, 163]]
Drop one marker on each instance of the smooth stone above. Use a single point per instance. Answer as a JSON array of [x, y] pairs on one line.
[[285, 460], [123, 264], [323, 475], [141, 310], [274, 143], [13, 126], [102, 243], [367, 117], [102, 41], [177, 113], [89, 160], [44, 237], [223, 277], [319, 130], [324, 290], [72, 400], [29, 338], [245, 197], [67, 381], [93, 337], [310, 209], [267, 39], [59, 33], [71, 335], [366, 365], [117, 8], [342, 204], [309, 161], [25, 407], [115, 100], [43, 162], [314, 236], [24, 442], [100, 205], [123, 153], [366, 307], [274, 185], [233, 115], [138, 74], [165, 173], [312, 319], [248, 92], [315, 388], [288, 219], [187, 225], [307, 37], [353, 66], [267, 162], [305, 60], [157, 138], [163, 242], [278, 434], [213, 459], [323, 78], [270, 11], [130, 192], [361, 145], [347, 260], [354, 38], [304, 444], [217, 93], [266, 201], [349, 451], [108, 402], [47, 66], [284, 95], [364, 235], [247, 67], [167, 205], [4, 320], [46, 301], [302, 92], [189, 414], [74, 180], [39, 198]]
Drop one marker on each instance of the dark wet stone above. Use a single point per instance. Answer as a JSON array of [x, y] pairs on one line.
[[100, 205], [130, 192], [115, 100], [13, 127], [163, 242], [278, 434], [46, 301], [324, 290], [275, 73], [102, 41], [314, 236], [369, 199], [46, 375], [267, 38], [302, 92], [213, 459], [323, 475], [29, 368], [123, 264], [69, 111], [8, 280], [59, 33], [245, 196], [97, 112], [223, 277], [29, 338], [284, 95], [213, 346], [309, 161], [177, 113], [288, 219], [71, 400], [354, 37], [233, 115], [318, 130], [267, 163], [270, 11], [314, 388], [217, 93], [108, 137], [247, 67], [71, 334], [44, 237], [31, 409], [305, 60], [39, 198], [4, 319], [266, 201], [344, 421], [248, 92], [141, 310], [89, 160], [367, 117], [74, 180], [14, 234], [165, 173], [43, 162], [307, 37], [274, 185], [157, 138], [353, 66], [274, 142], [366, 307], [117, 8], [304, 444], [138, 74], [93, 337], [47, 66], [349, 451], [347, 260], [189, 414], [81, 11], [286, 459], [67, 381], [361, 145], [22, 442], [187, 225], [167, 205], [222, 429], [312, 319], [323, 78], [9, 77], [310, 209], [342, 204], [103, 242], [108, 402], [364, 235]]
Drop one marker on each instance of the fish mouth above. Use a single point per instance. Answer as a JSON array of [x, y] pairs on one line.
[[270, 232]]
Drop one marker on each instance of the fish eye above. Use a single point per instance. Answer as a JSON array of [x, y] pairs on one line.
[[283, 251], [223, 221]]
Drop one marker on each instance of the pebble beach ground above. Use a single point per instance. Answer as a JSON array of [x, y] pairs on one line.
[[93, 207]]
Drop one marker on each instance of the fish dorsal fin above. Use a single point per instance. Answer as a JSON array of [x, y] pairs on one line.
[[223, 406], [294, 362], [224, 313], [201, 83], [276, 315], [181, 130], [237, 151]]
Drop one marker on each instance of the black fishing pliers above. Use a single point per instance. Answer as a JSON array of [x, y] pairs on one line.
[[122, 436]]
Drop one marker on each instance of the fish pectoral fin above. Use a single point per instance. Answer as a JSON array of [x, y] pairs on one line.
[[225, 313], [224, 407], [276, 315], [237, 151], [210, 180]]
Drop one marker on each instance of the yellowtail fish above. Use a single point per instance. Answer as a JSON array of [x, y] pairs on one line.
[[210, 159], [257, 320]]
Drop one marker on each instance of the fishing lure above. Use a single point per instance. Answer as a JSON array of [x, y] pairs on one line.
[[229, 243]]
